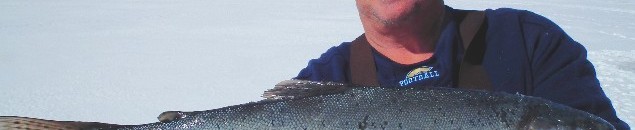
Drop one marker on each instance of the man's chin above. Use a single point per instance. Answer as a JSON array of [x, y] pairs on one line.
[[392, 19], [395, 15]]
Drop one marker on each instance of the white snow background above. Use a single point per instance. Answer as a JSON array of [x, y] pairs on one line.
[[126, 61]]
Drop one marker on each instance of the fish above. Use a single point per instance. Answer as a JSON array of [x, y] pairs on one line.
[[301, 104]]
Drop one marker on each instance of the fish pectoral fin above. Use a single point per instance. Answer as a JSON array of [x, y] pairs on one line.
[[170, 116], [290, 89], [25, 123]]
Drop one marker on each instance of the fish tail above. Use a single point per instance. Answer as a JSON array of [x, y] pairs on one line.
[[25, 123]]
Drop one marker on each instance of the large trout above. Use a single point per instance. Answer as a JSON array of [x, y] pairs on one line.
[[297, 104]]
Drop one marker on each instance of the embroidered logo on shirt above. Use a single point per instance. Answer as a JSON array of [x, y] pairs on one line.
[[419, 74]]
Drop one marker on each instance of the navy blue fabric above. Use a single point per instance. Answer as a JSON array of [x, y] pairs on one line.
[[525, 53]]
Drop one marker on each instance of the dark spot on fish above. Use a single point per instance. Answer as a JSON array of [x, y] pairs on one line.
[[383, 126], [503, 115], [362, 125], [531, 112], [16, 122], [272, 124], [323, 125]]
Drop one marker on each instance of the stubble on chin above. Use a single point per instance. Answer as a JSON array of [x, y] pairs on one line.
[[394, 21]]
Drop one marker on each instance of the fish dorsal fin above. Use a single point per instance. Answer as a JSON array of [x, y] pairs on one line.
[[25, 123], [290, 89], [170, 116]]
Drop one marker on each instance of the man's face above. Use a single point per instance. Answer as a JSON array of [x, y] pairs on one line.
[[396, 11]]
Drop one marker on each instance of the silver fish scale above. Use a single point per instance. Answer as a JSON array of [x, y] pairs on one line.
[[372, 108]]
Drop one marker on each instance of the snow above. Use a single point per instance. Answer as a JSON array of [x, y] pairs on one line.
[[126, 61], [615, 72]]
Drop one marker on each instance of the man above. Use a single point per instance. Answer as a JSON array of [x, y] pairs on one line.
[[417, 43]]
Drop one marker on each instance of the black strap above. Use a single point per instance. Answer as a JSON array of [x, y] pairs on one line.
[[471, 73], [473, 28], [362, 63]]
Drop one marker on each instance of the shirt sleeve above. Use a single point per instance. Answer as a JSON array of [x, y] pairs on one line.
[[331, 66], [562, 73]]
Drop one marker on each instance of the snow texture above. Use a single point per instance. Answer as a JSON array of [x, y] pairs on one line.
[[126, 61]]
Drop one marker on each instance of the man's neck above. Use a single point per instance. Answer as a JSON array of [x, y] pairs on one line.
[[405, 43]]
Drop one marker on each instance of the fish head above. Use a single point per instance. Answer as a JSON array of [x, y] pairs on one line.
[[560, 117], [575, 123]]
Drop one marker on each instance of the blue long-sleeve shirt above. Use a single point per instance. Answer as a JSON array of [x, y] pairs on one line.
[[525, 53]]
